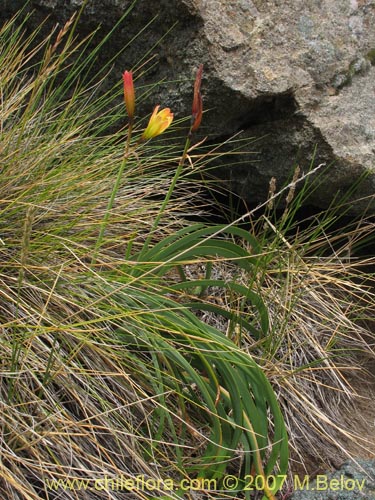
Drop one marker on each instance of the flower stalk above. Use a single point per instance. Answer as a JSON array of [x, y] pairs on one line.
[[196, 118], [129, 98], [112, 198]]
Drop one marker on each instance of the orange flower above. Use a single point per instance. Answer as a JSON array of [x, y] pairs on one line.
[[159, 121], [129, 94], [197, 109]]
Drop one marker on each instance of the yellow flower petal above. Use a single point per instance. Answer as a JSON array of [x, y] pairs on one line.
[[159, 121]]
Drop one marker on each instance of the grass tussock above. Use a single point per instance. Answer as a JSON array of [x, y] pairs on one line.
[[320, 345], [321, 305], [173, 350]]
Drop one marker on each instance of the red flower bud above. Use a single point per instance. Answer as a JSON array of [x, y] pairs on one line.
[[129, 94]]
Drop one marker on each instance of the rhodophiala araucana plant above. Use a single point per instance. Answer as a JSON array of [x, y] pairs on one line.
[[158, 123]]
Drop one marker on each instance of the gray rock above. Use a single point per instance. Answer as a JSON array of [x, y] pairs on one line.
[[296, 75], [353, 481]]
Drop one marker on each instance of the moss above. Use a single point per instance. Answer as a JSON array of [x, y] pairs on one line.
[[371, 56], [360, 65]]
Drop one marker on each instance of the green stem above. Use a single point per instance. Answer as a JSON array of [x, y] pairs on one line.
[[166, 199], [112, 198]]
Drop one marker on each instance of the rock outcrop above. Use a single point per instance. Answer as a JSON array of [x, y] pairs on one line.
[[353, 481], [298, 76]]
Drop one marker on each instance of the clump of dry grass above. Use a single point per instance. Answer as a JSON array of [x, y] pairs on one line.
[[78, 418], [321, 341], [320, 301], [319, 344]]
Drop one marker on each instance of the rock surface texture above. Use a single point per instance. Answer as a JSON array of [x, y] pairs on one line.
[[295, 75], [353, 481]]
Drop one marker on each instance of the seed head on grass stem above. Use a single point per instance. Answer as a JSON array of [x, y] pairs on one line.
[[197, 108]]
